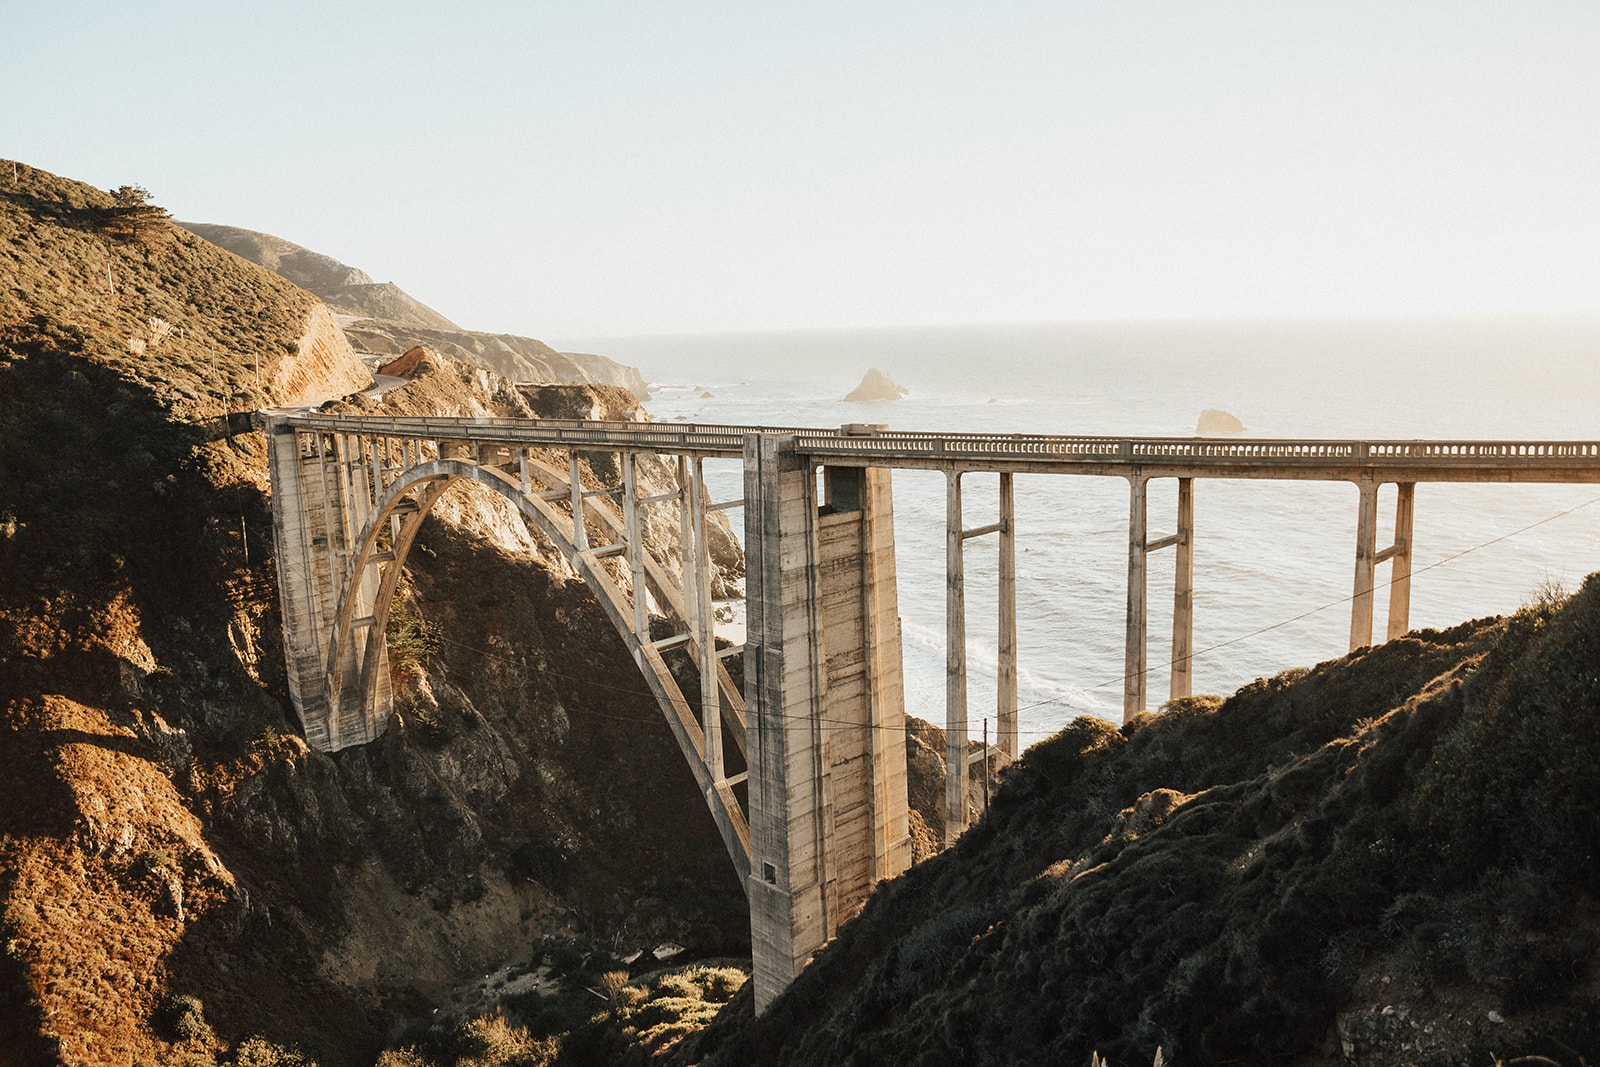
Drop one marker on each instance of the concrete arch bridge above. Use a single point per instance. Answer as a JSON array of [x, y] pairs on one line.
[[817, 814]]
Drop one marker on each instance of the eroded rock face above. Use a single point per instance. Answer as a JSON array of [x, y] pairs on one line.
[[876, 385], [324, 365], [521, 359]]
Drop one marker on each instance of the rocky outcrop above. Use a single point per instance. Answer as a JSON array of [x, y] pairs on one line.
[[521, 359], [166, 835], [323, 365], [876, 385]]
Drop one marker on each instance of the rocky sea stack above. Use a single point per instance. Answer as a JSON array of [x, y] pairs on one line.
[[876, 385]]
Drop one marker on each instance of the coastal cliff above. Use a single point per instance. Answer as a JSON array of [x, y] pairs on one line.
[[181, 878], [382, 321]]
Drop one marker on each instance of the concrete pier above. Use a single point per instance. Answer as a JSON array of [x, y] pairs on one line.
[[321, 497], [1368, 557], [823, 683], [957, 759]]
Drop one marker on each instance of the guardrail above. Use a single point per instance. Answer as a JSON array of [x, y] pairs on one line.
[[889, 446]]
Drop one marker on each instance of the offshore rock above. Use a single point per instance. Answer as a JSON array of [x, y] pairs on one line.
[[876, 385], [1214, 421]]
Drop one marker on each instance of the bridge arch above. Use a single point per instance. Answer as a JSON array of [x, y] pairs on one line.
[[354, 657]]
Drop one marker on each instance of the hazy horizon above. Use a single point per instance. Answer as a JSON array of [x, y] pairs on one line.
[[1407, 346]]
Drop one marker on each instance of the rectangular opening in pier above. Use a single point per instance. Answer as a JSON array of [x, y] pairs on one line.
[[843, 489]]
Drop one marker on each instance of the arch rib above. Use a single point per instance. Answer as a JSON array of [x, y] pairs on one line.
[[353, 676]]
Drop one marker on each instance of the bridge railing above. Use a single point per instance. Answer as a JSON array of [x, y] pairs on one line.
[[1137, 450], [728, 440]]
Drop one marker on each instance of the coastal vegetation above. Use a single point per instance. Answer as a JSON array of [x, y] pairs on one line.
[[1390, 855]]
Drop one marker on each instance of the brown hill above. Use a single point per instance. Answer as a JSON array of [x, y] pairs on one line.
[[392, 322], [179, 874], [309, 270], [340, 286]]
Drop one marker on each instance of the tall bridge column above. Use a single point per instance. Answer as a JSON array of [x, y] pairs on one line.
[[1136, 658], [1368, 556], [1005, 697], [824, 703], [1183, 595], [957, 760], [1400, 561], [955, 664]]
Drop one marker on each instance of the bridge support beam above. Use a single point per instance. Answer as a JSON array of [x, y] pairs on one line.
[[1398, 555], [1400, 561], [955, 664], [1005, 698], [1366, 563], [1136, 658], [957, 760], [1183, 596], [825, 703]]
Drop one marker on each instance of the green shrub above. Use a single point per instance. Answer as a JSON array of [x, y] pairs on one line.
[[484, 1041], [1514, 781], [412, 639], [431, 728], [186, 1018]]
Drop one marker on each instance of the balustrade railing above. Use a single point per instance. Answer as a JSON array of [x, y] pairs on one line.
[[1045, 449]]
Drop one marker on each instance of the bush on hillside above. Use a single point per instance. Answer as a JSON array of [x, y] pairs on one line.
[[1515, 781], [1214, 880], [132, 218]]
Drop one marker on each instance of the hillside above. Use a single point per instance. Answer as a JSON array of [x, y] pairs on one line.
[[181, 879], [382, 321], [1388, 859]]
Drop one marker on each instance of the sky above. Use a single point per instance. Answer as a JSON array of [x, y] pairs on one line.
[[594, 169]]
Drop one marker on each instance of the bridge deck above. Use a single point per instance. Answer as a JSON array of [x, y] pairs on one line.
[[1313, 459]]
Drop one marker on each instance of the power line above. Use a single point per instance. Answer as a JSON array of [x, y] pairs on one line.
[[1343, 600], [645, 694]]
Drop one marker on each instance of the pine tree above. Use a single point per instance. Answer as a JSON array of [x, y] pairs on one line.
[[133, 218]]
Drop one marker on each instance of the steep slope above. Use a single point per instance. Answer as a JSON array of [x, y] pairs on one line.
[[1388, 859], [349, 290], [178, 871], [392, 322]]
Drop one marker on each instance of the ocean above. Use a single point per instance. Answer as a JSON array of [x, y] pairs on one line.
[[1274, 561]]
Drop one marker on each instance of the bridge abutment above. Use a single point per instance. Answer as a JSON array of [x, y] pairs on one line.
[[826, 730]]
